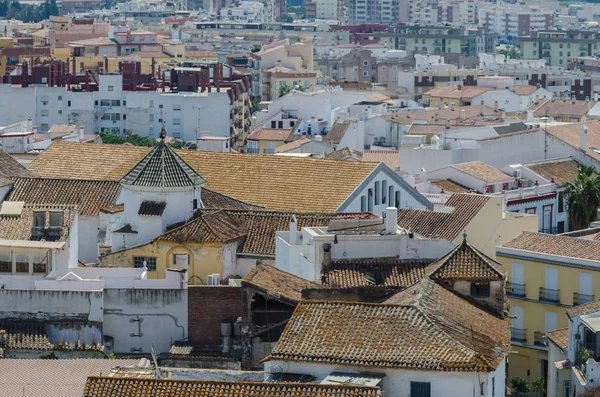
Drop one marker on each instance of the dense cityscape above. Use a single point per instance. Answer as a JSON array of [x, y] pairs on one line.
[[299, 198]]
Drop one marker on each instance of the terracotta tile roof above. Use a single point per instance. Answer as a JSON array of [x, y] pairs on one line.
[[53, 378], [152, 208], [35, 336], [466, 263], [451, 91], [209, 227], [20, 227], [560, 338], [117, 387], [113, 209], [200, 54], [88, 196], [391, 158], [457, 115], [443, 225], [525, 90], [181, 349], [62, 129], [582, 310], [292, 145], [10, 168], [337, 132], [271, 181], [450, 186], [569, 133], [561, 170], [213, 200], [345, 154], [277, 283], [162, 167], [482, 171], [261, 226], [386, 272], [561, 246], [271, 134], [557, 107], [424, 327]]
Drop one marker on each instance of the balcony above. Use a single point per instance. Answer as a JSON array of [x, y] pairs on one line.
[[580, 299], [549, 295], [518, 335], [539, 338], [516, 290], [252, 150]]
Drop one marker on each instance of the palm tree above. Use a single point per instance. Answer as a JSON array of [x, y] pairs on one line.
[[583, 196]]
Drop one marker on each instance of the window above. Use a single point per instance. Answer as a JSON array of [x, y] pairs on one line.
[[397, 200], [530, 210], [292, 123], [363, 203], [56, 219], [384, 192], [138, 262], [370, 200], [44, 127], [111, 88], [5, 266], [124, 103], [365, 74], [566, 388], [493, 386], [195, 204], [480, 290], [176, 107], [280, 124], [60, 98], [420, 389], [105, 103], [22, 264], [115, 102], [366, 63], [273, 124], [151, 103], [95, 103], [69, 103], [105, 116], [44, 112], [160, 106], [60, 112], [124, 117], [176, 121], [115, 116], [377, 193], [561, 202]]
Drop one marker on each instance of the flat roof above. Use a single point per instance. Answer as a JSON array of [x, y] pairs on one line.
[[593, 323]]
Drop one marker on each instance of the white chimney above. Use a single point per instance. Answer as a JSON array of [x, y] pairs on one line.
[[81, 133], [29, 125], [391, 219], [293, 230], [583, 135]]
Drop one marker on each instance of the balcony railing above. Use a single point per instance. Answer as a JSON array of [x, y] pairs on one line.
[[549, 295], [518, 335], [252, 150], [539, 338], [580, 299], [513, 289]]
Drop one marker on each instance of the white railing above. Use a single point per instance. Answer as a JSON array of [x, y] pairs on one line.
[[437, 198], [527, 192]]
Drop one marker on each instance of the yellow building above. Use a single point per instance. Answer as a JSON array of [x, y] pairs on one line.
[[201, 56], [204, 246], [278, 77], [265, 140], [446, 96], [547, 274]]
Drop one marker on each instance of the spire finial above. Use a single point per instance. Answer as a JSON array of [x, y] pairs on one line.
[[465, 236], [163, 134]]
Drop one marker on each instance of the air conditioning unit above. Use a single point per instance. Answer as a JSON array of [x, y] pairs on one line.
[[182, 261], [214, 279]]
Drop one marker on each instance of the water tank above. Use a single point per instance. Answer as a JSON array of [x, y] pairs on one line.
[[225, 329]]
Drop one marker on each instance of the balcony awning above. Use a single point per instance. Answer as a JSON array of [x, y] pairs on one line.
[[593, 323], [32, 244]]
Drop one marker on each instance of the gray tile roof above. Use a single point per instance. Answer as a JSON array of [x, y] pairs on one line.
[[162, 167]]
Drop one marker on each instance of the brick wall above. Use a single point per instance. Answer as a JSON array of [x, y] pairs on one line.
[[208, 307]]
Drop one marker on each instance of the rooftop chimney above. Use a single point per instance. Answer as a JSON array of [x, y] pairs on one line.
[[391, 220], [293, 230], [583, 135], [81, 133], [326, 254]]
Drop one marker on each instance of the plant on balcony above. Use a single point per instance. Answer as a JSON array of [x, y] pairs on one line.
[[539, 386], [583, 354], [519, 385], [583, 197]]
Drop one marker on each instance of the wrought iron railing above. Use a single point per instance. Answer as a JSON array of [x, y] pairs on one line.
[[549, 295], [518, 334], [580, 299], [515, 289], [539, 338]]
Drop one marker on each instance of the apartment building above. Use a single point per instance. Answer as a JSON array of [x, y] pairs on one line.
[[374, 11], [547, 274], [511, 21], [558, 46], [245, 11], [439, 40], [324, 9]]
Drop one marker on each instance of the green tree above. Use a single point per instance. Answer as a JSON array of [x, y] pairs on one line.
[[519, 385], [177, 144], [284, 89], [134, 139], [583, 197]]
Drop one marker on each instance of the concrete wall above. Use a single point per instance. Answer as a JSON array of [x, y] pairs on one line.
[[208, 307], [55, 305], [141, 319]]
